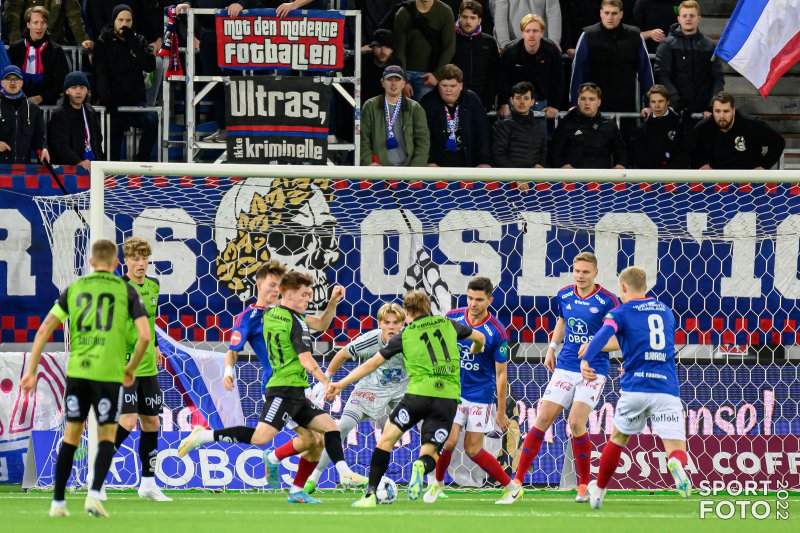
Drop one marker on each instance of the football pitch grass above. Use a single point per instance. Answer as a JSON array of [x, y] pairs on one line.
[[462, 512]]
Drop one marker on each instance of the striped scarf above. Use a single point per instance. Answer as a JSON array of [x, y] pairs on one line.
[[461, 32], [34, 68]]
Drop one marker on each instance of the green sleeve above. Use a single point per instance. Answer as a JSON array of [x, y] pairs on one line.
[[448, 39], [422, 137], [75, 20], [58, 312], [402, 21], [12, 11], [367, 125]]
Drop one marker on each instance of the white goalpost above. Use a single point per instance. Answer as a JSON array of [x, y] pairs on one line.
[[721, 247]]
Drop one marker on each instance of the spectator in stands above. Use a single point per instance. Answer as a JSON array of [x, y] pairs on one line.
[[459, 129], [535, 59], [585, 138], [74, 134], [393, 127], [487, 17], [508, 13], [14, 12], [575, 16], [42, 61], [120, 57], [374, 61], [476, 53], [520, 139], [21, 121], [660, 141], [654, 18], [375, 15], [612, 55], [686, 65], [149, 19], [426, 41], [731, 140], [206, 28]]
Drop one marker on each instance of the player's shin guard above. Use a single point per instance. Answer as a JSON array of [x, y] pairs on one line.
[[443, 464], [429, 462], [491, 466], [122, 434], [304, 469], [63, 470], [609, 461], [105, 453], [242, 434], [530, 449], [377, 468], [582, 450], [148, 452]]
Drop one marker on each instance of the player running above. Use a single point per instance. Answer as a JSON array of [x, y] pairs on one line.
[[479, 375], [143, 399], [645, 329], [581, 308], [429, 347], [377, 394], [288, 344], [99, 307]]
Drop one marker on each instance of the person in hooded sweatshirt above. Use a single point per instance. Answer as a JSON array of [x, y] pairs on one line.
[[660, 141], [74, 133], [21, 121], [41, 60]]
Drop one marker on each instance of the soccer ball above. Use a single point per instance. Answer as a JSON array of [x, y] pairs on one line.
[[387, 491]]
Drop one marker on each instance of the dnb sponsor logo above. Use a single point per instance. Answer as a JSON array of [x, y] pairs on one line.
[[754, 500]]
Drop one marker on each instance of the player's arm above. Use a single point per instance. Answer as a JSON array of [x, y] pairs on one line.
[[323, 321], [558, 336], [611, 346], [599, 341], [392, 348], [53, 319], [230, 374], [501, 379], [465, 332], [311, 366], [138, 314], [301, 342]]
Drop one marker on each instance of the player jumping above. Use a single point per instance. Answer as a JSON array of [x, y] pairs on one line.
[[581, 308], [479, 374], [645, 329]]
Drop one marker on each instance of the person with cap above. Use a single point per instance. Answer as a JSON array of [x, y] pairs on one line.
[[42, 61], [374, 61], [74, 133], [394, 130], [120, 57], [21, 121]]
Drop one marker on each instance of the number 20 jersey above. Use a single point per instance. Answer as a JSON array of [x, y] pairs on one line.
[[583, 317]]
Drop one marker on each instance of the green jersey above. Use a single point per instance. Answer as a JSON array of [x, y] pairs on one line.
[[148, 291], [99, 307], [433, 360], [286, 335]]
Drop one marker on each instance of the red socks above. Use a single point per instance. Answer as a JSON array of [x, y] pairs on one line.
[[443, 464], [530, 449], [286, 450], [304, 469], [680, 456], [609, 461], [491, 466], [582, 450]]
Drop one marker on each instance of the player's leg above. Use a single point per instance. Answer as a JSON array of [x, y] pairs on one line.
[[150, 399], [308, 461], [587, 394], [436, 487], [324, 424], [548, 411], [106, 400], [129, 413], [668, 423], [77, 401], [438, 415], [349, 421]]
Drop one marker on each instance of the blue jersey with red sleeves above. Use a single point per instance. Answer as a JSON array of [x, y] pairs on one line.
[[248, 326], [583, 317], [645, 330], [478, 378]]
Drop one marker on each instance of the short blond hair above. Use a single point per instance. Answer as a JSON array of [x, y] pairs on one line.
[[689, 4], [417, 303], [635, 278], [391, 307], [104, 252], [136, 247], [530, 17], [589, 257]]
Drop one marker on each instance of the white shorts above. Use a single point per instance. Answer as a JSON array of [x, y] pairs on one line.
[[665, 412], [567, 387], [475, 417], [369, 405]]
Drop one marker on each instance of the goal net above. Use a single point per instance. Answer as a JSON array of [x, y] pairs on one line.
[[723, 254]]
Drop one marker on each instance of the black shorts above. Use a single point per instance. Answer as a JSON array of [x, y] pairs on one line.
[[144, 397], [437, 415], [288, 403], [81, 394]]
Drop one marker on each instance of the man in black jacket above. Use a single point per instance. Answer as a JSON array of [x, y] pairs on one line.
[[41, 60], [149, 19], [74, 133], [731, 140], [21, 121], [660, 142], [686, 65], [535, 59], [457, 123], [476, 53], [120, 57], [585, 138], [520, 139]]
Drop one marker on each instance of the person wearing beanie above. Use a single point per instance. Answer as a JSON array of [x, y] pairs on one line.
[[42, 61], [21, 121], [74, 133], [120, 57]]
